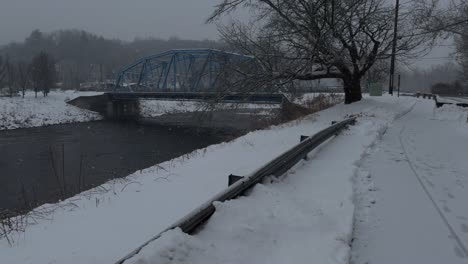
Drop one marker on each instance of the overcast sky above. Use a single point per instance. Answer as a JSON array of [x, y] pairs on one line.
[[125, 19]]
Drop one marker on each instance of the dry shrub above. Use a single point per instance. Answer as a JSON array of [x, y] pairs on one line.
[[323, 101], [291, 111]]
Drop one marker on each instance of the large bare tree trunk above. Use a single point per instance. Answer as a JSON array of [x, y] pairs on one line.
[[352, 89]]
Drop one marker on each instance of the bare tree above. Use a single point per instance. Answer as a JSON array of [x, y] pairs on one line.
[[43, 73], [460, 35], [447, 20], [421, 79], [441, 19], [379, 71], [2, 70], [10, 77], [317, 39], [24, 74]]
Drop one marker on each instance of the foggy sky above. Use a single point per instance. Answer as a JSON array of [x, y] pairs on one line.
[[123, 19]]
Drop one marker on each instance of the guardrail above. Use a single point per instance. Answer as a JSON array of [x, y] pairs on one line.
[[426, 95], [277, 167]]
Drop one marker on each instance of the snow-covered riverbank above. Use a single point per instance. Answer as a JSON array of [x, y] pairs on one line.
[[18, 112], [97, 227]]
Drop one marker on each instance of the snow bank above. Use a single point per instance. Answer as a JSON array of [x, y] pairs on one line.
[[156, 108], [450, 112], [302, 217], [18, 112], [27, 112], [314, 206], [305, 98]]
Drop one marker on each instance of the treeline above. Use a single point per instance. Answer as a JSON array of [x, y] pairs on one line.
[[39, 75], [455, 88], [82, 57], [423, 80]]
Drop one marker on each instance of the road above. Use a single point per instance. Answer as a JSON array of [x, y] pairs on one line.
[[412, 192]]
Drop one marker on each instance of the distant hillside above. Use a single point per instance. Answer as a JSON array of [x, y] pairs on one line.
[[85, 57]]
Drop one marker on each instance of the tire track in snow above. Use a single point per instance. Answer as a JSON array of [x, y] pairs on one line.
[[426, 190]]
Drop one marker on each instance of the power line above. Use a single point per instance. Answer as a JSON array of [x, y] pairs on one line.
[[437, 29], [434, 58], [443, 45]]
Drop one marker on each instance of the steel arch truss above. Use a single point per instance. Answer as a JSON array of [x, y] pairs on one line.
[[194, 70]]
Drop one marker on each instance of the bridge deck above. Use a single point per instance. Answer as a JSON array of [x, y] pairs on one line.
[[248, 98]]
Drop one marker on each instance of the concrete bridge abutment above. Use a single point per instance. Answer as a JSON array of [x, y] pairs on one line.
[[123, 109]]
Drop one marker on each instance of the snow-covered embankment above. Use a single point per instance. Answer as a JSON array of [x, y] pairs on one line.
[[304, 216], [18, 112]]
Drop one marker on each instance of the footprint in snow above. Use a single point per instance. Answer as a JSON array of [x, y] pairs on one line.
[[464, 228], [430, 183], [459, 252], [447, 209]]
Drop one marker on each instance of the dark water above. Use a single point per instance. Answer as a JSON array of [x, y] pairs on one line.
[[39, 165]]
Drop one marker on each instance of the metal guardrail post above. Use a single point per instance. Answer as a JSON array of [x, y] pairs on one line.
[[233, 179], [277, 167]]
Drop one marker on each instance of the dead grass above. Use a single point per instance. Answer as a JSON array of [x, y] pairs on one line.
[[292, 111]]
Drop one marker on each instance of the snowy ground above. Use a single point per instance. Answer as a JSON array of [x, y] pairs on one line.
[[305, 215], [154, 108], [412, 190], [18, 112], [304, 98]]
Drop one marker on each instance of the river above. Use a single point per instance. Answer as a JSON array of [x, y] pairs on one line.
[[45, 164]]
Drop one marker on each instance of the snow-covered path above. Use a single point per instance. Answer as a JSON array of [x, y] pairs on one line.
[[305, 216], [413, 192], [302, 216]]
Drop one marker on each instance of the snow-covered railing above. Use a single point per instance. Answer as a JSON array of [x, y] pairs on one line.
[[426, 95], [459, 101], [276, 167]]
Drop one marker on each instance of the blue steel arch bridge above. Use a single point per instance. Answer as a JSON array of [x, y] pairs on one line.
[[186, 74], [189, 74], [187, 70]]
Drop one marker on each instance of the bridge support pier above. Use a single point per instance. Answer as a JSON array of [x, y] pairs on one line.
[[123, 109]]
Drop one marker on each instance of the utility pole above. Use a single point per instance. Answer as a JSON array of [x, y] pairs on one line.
[[399, 83], [395, 36]]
